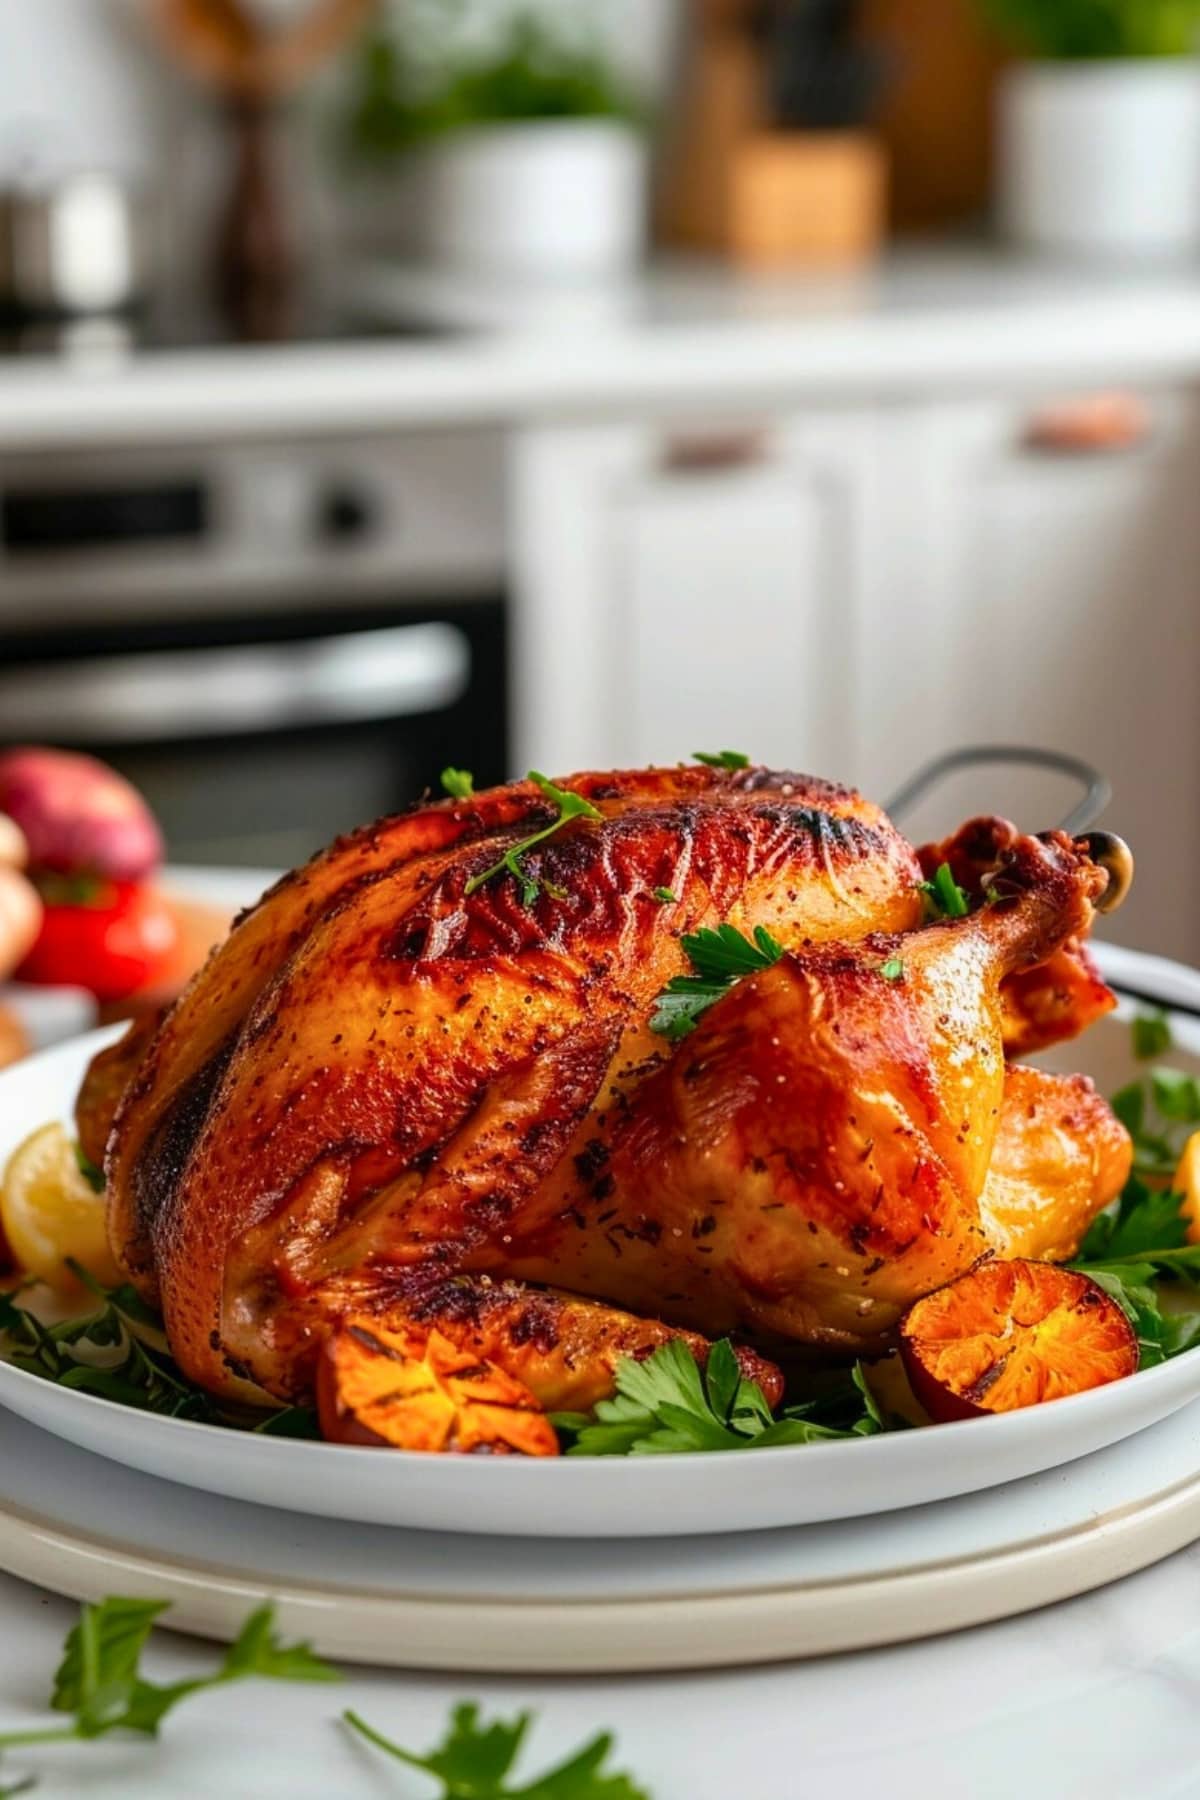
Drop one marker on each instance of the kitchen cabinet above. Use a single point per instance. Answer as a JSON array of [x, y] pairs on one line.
[[689, 586], [856, 590], [1050, 599]]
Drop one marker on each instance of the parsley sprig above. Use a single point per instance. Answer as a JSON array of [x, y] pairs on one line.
[[720, 958], [1138, 1251], [94, 1177], [1133, 1250], [943, 897], [570, 806], [459, 783], [117, 1349], [1160, 1113], [722, 759], [1151, 1035], [668, 1404], [99, 1682], [474, 1760]]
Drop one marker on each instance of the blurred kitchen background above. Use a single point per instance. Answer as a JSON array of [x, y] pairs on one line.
[[388, 386]]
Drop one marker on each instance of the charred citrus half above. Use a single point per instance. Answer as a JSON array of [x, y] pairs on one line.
[[1013, 1334], [1187, 1185], [411, 1389]]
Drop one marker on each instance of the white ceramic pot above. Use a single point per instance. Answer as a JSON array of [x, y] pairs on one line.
[[1102, 159], [548, 198]]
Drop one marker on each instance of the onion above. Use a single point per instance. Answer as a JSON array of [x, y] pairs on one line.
[[20, 919]]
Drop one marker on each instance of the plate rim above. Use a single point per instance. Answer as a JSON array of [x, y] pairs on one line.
[[733, 1627]]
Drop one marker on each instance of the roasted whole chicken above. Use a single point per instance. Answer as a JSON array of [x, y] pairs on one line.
[[418, 1089]]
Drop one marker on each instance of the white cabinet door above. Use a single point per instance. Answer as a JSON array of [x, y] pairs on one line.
[[1051, 599], [681, 588]]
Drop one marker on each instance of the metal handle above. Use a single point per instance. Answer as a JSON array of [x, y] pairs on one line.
[[173, 694], [1100, 425], [1097, 787]]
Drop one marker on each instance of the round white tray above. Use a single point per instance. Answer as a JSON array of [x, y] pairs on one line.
[[85, 1527]]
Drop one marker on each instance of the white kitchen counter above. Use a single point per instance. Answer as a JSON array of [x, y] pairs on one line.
[[683, 336], [1094, 1700]]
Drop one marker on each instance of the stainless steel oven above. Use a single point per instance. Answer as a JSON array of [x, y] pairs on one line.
[[274, 642]]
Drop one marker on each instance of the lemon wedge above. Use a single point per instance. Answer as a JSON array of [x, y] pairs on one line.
[[50, 1212]]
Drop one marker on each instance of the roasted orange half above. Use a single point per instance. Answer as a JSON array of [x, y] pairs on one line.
[[411, 1389], [1013, 1334]]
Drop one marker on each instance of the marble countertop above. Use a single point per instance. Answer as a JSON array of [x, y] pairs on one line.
[[683, 335], [1096, 1699]]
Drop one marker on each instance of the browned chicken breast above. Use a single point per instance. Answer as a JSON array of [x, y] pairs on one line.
[[415, 1078]]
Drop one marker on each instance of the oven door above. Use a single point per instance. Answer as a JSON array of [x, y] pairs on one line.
[[258, 742]]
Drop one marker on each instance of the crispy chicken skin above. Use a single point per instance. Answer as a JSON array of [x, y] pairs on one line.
[[385, 1092], [816, 1155], [1056, 999], [377, 1058], [1061, 1154], [109, 1074], [563, 1348]]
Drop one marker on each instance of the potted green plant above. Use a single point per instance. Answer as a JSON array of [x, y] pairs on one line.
[[526, 143], [1099, 128]]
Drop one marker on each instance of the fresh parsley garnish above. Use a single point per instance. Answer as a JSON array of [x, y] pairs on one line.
[[474, 1760], [1159, 1112], [668, 1404], [720, 957], [1147, 1220], [117, 1349], [459, 783], [100, 1684], [664, 896], [722, 759], [570, 806], [893, 969], [1151, 1036], [1161, 1333], [944, 899], [1130, 1252], [1138, 1251], [95, 1180]]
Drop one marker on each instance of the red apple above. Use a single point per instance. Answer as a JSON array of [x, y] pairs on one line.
[[78, 816]]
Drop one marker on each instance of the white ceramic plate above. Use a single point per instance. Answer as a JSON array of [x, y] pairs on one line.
[[428, 1600], [665, 1496]]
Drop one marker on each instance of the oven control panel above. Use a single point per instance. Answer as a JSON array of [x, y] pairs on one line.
[[117, 535]]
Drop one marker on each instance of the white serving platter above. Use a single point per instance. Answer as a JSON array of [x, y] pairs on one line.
[[405, 1599], [640, 1497]]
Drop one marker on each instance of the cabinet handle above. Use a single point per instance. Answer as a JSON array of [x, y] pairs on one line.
[[1098, 425], [712, 452]]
